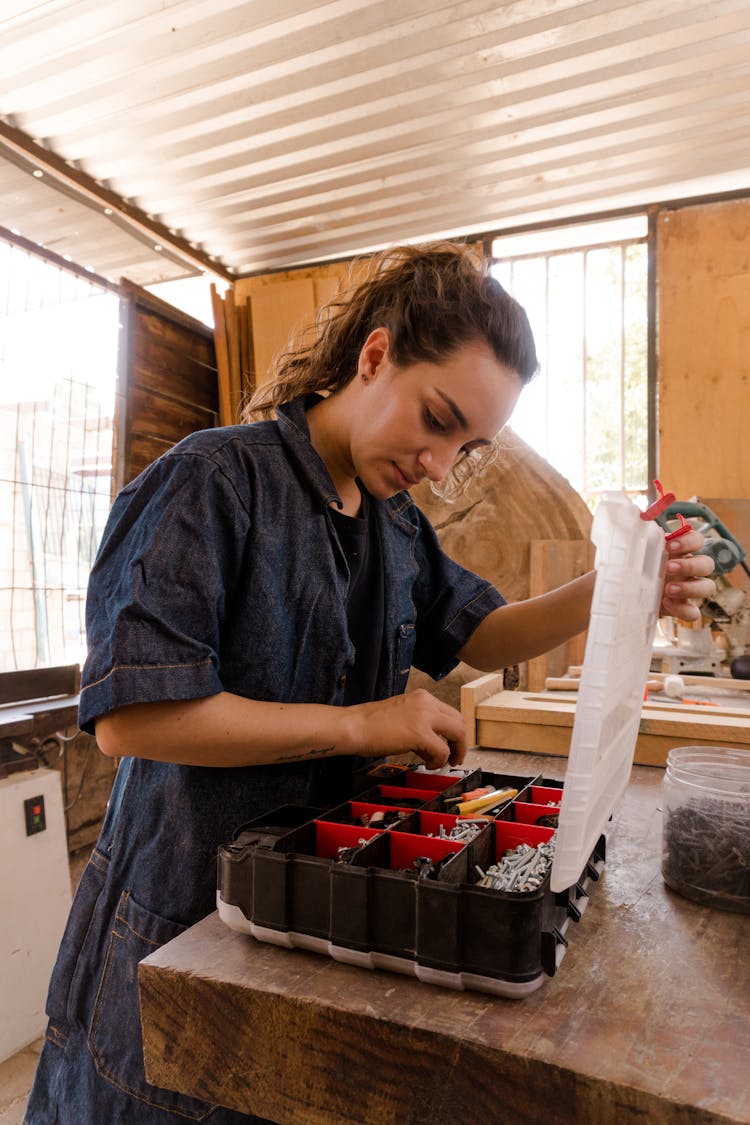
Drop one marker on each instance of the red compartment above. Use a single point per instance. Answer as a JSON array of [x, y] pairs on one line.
[[405, 847], [509, 834], [541, 794], [329, 837], [526, 813], [431, 821], [360, 808]]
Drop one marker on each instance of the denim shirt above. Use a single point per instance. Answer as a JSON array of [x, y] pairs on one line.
[[219, 570]]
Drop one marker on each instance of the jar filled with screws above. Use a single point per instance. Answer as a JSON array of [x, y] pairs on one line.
[[706, 826]]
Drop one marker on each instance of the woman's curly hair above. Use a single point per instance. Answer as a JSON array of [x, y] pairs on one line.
[[432, 299]]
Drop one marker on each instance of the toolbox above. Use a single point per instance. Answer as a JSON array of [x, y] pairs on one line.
[[467, 878]]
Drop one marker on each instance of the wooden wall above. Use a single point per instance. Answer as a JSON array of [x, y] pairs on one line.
[[703, 270]]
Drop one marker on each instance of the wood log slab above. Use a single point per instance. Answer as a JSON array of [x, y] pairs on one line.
[[646, 1019], [523, 527]]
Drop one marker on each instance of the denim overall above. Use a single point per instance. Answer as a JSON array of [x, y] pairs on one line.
[[219, 570]]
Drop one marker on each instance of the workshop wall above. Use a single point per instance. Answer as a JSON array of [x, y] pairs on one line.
[[703, 270]]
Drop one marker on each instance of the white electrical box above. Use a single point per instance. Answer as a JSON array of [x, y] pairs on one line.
[[35, 899]]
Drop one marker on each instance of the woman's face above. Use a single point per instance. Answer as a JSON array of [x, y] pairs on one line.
[[417, 421]]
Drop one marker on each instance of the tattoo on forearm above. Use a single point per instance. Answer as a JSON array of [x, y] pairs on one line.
[[323, 752]]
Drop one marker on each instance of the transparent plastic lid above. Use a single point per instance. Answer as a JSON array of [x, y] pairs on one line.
[[630, 558]]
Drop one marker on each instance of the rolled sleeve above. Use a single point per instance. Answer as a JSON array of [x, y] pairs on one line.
[[451, 602], [160, 586]]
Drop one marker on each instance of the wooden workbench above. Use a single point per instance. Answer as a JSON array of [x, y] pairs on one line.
[[646, 1019]]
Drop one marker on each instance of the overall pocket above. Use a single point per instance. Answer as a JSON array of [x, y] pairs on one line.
[[60, 998], [406, 639], [114, 1036]]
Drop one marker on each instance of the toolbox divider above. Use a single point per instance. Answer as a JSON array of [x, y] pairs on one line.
[[330, 836], [432, 782], [543, 794], [355, 810], [429, 823], [406, 847], [397, 795], [509, 834], [524, 812]]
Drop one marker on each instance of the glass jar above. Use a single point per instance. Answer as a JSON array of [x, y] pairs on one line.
[[706, 825]]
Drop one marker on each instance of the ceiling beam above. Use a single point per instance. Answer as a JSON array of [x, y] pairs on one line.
[[85, 189]]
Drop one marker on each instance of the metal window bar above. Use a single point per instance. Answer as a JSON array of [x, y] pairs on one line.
[[622, 472], [58, 352]]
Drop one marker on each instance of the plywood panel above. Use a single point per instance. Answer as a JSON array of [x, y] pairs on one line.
[[704, 349], [278, 311]]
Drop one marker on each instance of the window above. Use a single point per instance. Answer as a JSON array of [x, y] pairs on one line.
[[58, 358], [585, 291]]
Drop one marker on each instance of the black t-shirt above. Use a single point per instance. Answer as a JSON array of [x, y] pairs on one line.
[[360, 543]]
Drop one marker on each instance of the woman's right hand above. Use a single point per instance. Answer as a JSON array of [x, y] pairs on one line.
[[413, 723]]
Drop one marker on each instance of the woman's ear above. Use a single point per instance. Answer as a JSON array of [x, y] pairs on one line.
[[374, 352]]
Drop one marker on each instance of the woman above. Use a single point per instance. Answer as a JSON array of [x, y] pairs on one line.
[[260, 595]]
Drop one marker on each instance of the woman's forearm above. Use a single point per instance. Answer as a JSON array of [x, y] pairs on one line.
[[229, 730], [225, 730], [520, 631]]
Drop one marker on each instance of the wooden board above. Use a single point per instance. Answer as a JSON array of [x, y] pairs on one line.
[[703, 260], [222, 358], [235, 360], [277, 313], [542, 723]]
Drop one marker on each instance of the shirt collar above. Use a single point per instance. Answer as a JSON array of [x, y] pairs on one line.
[[291, 418]]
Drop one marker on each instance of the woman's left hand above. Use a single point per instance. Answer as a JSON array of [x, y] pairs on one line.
[[687, 578]]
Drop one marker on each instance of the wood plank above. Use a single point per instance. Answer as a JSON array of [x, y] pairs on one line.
[[248, 366], [278, 312], [39, 683], [708, 683], [173, 372], [326, 289], [233, 350], [573, 683], [529, 737], [707, 722], [222, 358], [704, 360], [142, 450], [472, 694], [525, 721], [662, 703], [167, 327], [650, 749], [161, 416]]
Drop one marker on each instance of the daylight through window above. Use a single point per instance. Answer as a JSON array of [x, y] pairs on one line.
[[58, 357], [585, 291]]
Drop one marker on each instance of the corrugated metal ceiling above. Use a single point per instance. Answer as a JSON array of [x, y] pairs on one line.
[[271, 133]]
